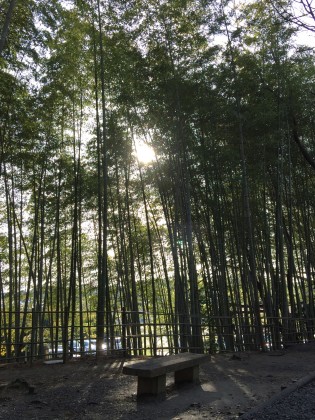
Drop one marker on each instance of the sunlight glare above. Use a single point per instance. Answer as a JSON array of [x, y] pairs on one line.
[[144, 153]]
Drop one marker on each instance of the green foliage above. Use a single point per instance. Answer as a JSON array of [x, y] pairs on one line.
[[217, 93]]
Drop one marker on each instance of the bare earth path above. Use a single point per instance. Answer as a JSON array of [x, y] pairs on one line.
[[230, 385]]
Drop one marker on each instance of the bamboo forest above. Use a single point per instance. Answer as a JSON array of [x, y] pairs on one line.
[[157, 184]]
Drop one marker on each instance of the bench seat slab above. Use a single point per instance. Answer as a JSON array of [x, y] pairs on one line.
[[158, 366], [152, 372]]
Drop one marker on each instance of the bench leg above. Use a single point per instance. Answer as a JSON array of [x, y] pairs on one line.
[[152, 386], [187, 375]]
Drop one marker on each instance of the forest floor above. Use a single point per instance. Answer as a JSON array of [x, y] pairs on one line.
[[230, 385]]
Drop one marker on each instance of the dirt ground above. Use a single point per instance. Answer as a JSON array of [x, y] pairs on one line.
[[230, 384]]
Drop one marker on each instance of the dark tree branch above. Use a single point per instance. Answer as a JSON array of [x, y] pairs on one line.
[[297, 19], [5, 29], [301, 146]]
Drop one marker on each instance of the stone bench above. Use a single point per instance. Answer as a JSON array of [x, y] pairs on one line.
[[152, 372]]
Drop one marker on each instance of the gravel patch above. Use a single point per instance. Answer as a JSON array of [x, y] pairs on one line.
[[298, 404]]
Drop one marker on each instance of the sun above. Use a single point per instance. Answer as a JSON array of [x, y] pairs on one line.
[[143, 152]]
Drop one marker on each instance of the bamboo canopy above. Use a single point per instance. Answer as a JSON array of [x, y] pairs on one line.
[[156, 177]]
